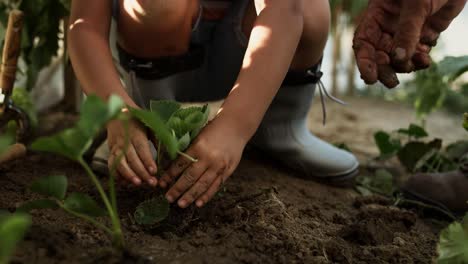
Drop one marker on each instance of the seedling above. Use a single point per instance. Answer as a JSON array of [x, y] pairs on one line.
[[414, 153], [13, 227], [175, 128], [453, 243], [73, 143]]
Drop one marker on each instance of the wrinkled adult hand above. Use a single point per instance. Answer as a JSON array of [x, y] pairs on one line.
[[137, 166], [218, 149], [396, 36]]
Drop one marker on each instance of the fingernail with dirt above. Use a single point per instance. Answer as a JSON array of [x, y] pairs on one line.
[[399, 54]]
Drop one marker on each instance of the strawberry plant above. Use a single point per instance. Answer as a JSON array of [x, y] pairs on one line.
[[414, 153], [465, 121], [13, 227], [73, 143], [175, 128]]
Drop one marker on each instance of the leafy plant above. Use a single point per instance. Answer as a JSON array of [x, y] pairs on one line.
[[453, 243], [73, 143], [23, 100], [175, 128], [13, 228], [413, 153], [41, 31], [380, 183]]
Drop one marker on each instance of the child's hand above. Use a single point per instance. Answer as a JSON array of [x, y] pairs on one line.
[[218, 150], [137, 164]]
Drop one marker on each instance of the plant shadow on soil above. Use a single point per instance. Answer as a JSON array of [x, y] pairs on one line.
[[264, 216]]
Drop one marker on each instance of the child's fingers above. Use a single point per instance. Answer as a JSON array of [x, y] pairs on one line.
[[200, 187], [188, 178], [208, 195], [176, 168], [142, 148], [124, 169], [137, 166]]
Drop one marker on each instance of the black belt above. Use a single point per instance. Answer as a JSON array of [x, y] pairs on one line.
[[157, 68]]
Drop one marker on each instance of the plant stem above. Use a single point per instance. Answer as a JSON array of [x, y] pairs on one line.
[[85, 217], [187, 156], [117, 230]]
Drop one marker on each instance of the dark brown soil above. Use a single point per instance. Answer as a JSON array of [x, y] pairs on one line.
[[265, 215]]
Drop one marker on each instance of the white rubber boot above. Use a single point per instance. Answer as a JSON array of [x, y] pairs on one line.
[[283, 135]]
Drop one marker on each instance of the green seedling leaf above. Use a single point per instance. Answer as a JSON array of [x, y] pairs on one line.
[[178, 126], [152, 211], [164, 108], [412, 152], [83, 204], [414, 131], [37, 204], [453, 244], [13, 228], [195, 121], [22, 98], [456, 150], [453, 67], [387, 146], [159, 128], [73, 142], [52, 186], [380, 183], [184, 142], [465, 121]]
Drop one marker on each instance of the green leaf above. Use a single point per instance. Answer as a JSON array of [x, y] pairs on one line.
[[412, 152], [184, 142], [152, 211], [465, 121], [5, 141], [343, 146], [381, 183], [23, 100], [178, 126], [52, 186], [164, 108], [414, 131], [73, 142], [456, 150], [453, 244], [83, 204], [195, 120], [159, 128], [13, 228], [37, 204], [387, 146], [453, 67]]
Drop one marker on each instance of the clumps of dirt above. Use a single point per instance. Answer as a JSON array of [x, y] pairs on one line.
[[265, 215]]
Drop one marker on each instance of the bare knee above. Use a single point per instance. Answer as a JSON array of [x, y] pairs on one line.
[[314, 35]]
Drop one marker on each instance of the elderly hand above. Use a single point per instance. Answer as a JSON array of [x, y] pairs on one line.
[[396, 36]]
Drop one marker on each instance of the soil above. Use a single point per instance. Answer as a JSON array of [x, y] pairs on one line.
[[265, 215]]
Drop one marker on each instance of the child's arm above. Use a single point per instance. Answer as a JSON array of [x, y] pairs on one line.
[[272, 45], [88, 43]]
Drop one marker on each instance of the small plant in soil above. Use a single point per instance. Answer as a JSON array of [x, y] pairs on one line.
[[174, 127], [13, 228], [73, 143]]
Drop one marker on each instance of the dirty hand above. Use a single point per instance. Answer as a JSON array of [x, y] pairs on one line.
[[137, 165], [396, 36], [218, 150]]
